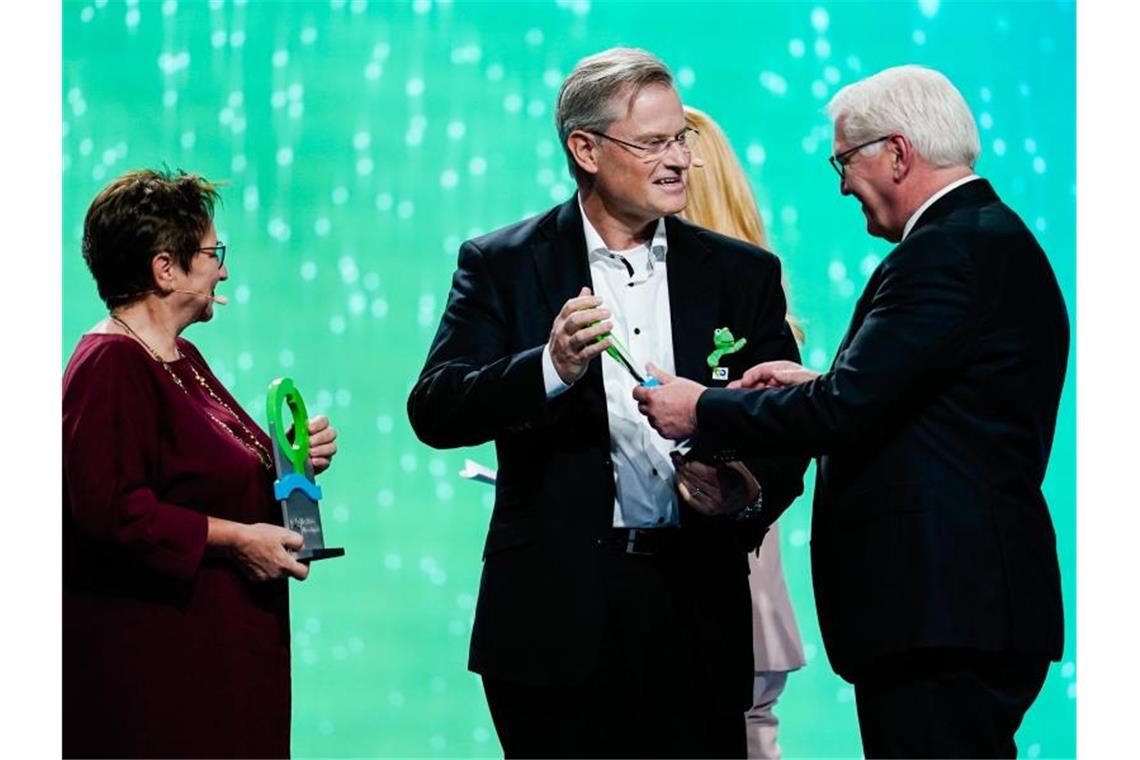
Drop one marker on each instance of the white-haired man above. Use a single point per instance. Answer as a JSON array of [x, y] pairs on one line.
[[933, 554], [613, 617]]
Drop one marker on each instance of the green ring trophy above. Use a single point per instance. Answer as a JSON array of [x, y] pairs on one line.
[[295, 487]]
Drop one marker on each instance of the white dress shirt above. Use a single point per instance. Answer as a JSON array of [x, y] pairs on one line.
[[634, 288], [930, 202]]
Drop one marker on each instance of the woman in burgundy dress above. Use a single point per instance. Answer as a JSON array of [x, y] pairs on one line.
[[175, 565]]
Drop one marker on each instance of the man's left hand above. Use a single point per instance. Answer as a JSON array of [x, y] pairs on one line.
[[713, 490], [670, 407]]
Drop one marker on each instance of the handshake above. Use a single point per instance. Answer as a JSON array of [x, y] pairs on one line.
[[672, 407]]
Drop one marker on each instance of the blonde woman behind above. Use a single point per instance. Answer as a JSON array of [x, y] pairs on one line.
[[720, 199]]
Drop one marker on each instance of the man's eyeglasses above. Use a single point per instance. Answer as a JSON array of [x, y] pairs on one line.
[[657, 148], [217, 251], [839, 160]]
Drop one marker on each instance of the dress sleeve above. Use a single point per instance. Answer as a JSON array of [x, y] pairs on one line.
[[110, 445]]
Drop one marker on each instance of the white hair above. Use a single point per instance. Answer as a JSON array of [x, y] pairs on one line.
[[914, 101]]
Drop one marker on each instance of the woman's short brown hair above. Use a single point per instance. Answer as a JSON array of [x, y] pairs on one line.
[[137, 216]]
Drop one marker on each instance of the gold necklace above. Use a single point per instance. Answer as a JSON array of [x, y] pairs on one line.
[[256, 449]]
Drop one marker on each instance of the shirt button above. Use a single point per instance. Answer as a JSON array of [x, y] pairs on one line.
[[631, 284], [637, 331], [654, 472]]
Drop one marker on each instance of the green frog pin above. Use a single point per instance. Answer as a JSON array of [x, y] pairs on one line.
[[723, 344]]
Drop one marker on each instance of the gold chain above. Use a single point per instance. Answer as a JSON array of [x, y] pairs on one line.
[[256, 449]]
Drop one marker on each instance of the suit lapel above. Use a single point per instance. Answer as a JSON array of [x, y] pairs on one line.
[[560, 256], [693, 303], [563, 269], [859, 313]]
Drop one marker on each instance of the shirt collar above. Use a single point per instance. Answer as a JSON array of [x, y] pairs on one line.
[[930, 202], [595, 246]]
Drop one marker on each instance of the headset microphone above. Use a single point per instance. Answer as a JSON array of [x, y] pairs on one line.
[[221, 300]]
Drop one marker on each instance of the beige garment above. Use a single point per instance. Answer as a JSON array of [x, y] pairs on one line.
[[776, 643], [761, 722]]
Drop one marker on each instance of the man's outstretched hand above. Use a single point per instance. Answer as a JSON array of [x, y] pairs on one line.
[[778, 374], [672, 406]]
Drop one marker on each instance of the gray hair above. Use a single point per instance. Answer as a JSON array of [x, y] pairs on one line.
[[587, 99], [914, 101]]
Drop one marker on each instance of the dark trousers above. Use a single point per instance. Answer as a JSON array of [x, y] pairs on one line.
[[946, 703], [647, 696]]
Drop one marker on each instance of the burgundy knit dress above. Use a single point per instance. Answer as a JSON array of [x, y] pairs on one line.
[[167, 652]]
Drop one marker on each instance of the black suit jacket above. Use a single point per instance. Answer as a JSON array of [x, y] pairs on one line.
[[539, 614], [934, 425]]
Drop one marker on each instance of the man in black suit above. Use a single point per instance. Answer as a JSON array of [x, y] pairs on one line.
[[613, 616], [933, 554]]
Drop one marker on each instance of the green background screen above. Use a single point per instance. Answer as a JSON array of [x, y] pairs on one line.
[[362, 142]]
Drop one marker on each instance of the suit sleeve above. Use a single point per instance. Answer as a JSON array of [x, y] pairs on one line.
[[920, 317], [110, 434], [780, 474], [472, 387]]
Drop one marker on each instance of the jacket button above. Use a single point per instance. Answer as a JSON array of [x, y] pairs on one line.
[[607, 462]]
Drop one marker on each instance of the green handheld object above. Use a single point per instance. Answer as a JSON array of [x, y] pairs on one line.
[[620, 353], [282, 391], [296, 491]]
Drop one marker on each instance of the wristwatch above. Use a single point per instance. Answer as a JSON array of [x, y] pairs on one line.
[[755, 509]]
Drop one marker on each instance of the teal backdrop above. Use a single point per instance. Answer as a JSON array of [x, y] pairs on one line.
[[362, 142]]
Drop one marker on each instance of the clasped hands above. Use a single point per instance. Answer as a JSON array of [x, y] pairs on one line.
[[671, 409], [575, 339]]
